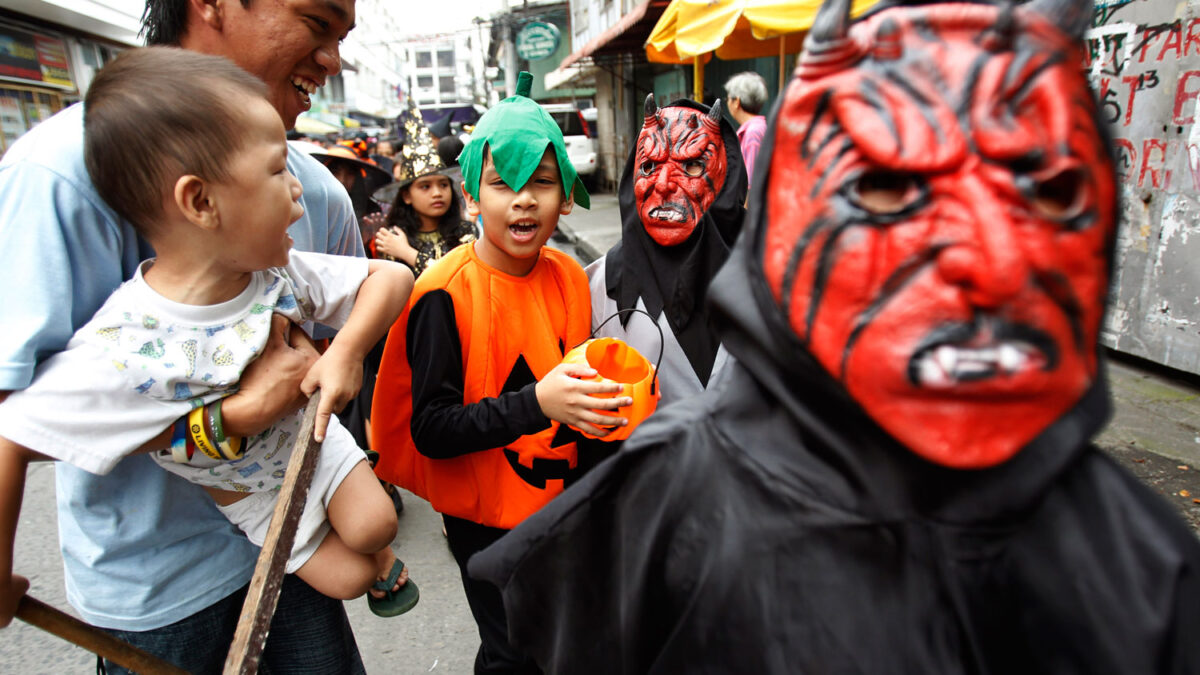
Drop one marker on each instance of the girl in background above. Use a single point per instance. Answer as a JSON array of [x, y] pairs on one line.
[[424, 221]]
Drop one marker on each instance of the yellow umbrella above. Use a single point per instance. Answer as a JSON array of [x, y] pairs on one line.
[[312, 125], [691, 30]]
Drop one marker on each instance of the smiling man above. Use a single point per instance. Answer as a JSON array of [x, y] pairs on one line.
[[681, 209], [896, 474], [147, 555]]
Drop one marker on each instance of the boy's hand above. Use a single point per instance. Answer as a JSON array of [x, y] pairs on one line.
[[565, 398], [270, 386], [339, 376], [10, 596]]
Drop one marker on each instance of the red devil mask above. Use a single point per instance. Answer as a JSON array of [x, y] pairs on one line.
[[680, 167], [940, 209]]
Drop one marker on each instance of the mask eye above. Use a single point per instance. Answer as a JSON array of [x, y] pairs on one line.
[[647, 167], [693, 168], [1060, 196], [884, 193]]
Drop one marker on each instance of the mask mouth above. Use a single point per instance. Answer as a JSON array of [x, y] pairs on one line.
[[989, 348], [669, 213]]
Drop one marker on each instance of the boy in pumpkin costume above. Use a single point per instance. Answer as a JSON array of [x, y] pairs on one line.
[[472, 404]]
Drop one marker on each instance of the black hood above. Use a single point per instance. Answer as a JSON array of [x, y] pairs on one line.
[[675, 279], [851, 458]]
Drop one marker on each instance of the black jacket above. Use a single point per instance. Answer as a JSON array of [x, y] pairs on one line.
[[769, 526]]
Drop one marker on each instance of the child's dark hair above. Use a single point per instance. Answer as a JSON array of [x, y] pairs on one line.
[[158, 113], [405, 217]]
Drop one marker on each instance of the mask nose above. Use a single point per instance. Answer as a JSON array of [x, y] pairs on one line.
[[664, 183], [988, 260]]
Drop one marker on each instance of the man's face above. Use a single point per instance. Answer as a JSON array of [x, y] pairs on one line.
[[679, 169], [292, 45], [938, 232]]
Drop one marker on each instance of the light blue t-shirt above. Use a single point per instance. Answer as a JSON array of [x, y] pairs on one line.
[[142, 548]]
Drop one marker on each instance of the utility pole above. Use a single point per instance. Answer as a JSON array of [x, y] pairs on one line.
[[510, 51]]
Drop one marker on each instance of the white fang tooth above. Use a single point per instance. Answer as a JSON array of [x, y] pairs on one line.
[[1011, 358], [947, 358], [931, 373]]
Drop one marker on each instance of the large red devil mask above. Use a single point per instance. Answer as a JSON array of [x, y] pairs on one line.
[[679, 169], [940, 209]]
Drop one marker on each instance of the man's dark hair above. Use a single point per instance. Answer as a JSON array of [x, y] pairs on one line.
[[165, 21], [158, 113]]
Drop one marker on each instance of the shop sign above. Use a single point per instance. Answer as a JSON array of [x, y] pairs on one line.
[[537, 40], [34, 58]]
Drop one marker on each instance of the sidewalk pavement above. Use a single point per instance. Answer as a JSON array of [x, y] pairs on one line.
[[594, 230], [1154, 409]]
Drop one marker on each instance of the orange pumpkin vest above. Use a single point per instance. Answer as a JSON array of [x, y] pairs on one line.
[[500, 318]]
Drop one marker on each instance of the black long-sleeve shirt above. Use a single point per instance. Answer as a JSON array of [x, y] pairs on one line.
[[443, 426]]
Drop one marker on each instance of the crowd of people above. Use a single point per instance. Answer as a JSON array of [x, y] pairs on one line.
[[875, 309]]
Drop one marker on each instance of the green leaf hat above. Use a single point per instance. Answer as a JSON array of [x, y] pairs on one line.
[[516, 132]]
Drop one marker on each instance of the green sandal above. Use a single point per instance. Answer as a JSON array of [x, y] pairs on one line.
[[395, 602]]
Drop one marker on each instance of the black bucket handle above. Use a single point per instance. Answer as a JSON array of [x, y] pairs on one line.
[[661, 340]]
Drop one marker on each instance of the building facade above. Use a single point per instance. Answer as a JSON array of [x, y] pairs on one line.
[[49, 53]]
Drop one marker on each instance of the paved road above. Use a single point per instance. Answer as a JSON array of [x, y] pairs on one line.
[[438, 636]]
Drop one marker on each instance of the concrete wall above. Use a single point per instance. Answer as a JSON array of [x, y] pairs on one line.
[[1145, 67]]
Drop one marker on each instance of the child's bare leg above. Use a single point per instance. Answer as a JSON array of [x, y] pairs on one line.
[[362, 513], [338, 571]]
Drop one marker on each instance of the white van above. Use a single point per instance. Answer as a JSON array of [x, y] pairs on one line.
[[579, 137]]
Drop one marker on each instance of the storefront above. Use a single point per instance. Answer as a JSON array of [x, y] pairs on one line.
[[35, 80]]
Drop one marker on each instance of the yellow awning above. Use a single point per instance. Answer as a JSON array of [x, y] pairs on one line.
[[734, 29], [312, 125]]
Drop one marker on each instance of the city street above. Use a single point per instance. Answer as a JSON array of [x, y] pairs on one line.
[[1155, 433]]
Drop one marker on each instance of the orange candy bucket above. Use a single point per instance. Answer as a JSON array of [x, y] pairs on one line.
[[614, 360]]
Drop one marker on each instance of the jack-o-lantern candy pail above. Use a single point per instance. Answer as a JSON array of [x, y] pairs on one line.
[[614, 360]]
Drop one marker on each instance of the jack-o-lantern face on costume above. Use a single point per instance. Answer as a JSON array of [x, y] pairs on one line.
[[680, 167], [940, 208]]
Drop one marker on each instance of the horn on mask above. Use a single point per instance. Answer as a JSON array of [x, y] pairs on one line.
[[1073, 17], [828, 47]]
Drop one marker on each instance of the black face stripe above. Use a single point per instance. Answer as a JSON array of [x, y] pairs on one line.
[[1058, 289], [793, 265], [825, 261], [924, 105], [871, 94], [819, 184], [1018, 96], [820, 111], [895, 283]]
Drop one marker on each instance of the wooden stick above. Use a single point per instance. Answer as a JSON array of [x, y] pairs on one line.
[[263, 595], [39, 614]]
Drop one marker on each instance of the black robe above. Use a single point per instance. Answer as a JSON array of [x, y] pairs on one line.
[[770, 526]]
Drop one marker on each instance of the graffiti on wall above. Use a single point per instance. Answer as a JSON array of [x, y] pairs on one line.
[[1144, 64]]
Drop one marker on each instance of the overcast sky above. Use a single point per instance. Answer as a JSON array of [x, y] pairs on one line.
[[452, 15]]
